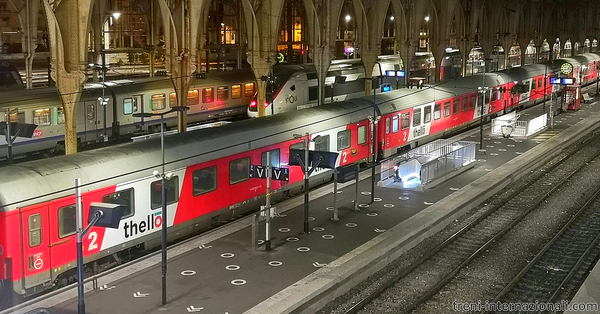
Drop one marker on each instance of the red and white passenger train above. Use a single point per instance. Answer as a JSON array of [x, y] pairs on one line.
[[210, 183]]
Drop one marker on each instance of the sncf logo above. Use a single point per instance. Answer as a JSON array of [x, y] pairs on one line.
[[152, 221]]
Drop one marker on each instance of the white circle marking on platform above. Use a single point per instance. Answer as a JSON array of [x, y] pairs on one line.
[[501, 149], [481, 160], [403, 198], [494, 154], [318, 229], [489, 146], [303, 249], [275, 263], [518, 141], [510, 145], [227, 255], [238, 282], [388, 205], [371, 214], [232, 267], [497, 142], [292, 239], [488, 170], [310, 218], [377, 199], [329, 208], [363, 205], [351, 225], [327, 236], [486, 138], [284, 230], [188, 273], [365, 193]]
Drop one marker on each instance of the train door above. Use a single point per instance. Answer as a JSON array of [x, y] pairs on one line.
[[93, 121], [36, 246], [62, 236]]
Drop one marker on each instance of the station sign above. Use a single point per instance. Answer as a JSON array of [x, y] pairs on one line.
[[394, 73], [260, 172], [562, 81], [327, 159]]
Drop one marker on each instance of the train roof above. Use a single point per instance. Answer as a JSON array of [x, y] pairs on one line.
[[55, 177]]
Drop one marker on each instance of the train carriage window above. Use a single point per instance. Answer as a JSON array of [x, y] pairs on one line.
[[60, 116], [299, 145], [395, 123], [66, 221], [249, 90], [208, 95], [124, 198], [193, 97], [34, 225], [472, 102], [405, 120], [90, 111], [427, 114], [417, 117], [343, 139], [127, 106], [437, 111], [239, 170], [173, 100], [41, 116], [204, 180], [158, 102], [274, 156], [171, 189], [17, 116], [322, 143], [362, 134], [465, 104], [456, 106], [222, 93], [447, 109], [236, 91], [388, 125]]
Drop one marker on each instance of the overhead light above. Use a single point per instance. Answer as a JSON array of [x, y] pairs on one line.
[[116, 15], [427, 19], [391, 18], [348, 17]]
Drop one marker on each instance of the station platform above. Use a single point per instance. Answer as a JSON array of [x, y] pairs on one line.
[[220, 272]]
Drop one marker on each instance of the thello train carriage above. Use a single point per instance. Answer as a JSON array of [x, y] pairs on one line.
[[210, 183]]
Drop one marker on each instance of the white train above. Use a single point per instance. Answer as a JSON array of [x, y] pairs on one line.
[[295, 86], [218, 96]]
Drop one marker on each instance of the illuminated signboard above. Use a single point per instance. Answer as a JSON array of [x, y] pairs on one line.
[[555, 80], [568, 81], [393, 73]]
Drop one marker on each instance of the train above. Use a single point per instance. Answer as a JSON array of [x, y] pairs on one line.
[[293, 87], [209, 175], [106, 109]]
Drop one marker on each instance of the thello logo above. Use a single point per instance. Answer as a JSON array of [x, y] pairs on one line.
[[38, 133], [150, 223]]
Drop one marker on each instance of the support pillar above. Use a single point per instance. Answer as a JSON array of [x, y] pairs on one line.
[[369, 60]]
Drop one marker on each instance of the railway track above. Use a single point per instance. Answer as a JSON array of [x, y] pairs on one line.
[[562, 261], [417, 284]]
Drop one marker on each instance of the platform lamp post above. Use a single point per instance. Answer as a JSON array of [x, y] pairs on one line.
[[164, 177], [374, 119], [482, 91]]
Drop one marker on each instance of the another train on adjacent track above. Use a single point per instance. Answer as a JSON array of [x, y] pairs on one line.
[[105, 111], [210, 183]]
